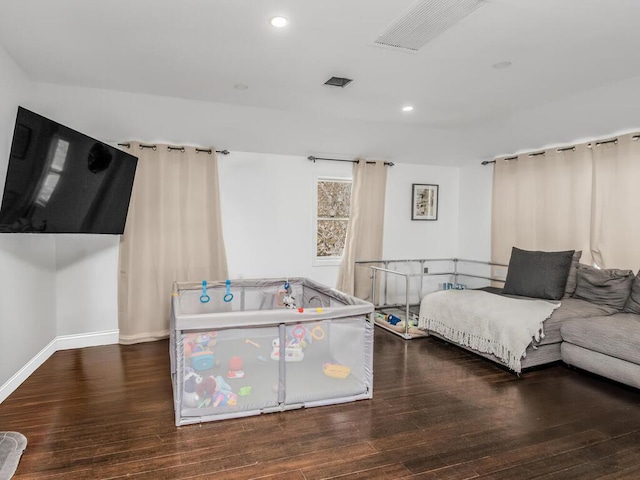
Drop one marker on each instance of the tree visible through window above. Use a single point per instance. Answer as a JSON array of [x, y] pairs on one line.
[[333, 198]]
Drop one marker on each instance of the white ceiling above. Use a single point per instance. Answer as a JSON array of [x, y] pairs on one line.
[[200, 49]]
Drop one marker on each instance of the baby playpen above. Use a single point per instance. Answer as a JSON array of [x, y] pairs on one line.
[[246, 347]]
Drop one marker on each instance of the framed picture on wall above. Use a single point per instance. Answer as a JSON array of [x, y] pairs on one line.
[[424, 202]]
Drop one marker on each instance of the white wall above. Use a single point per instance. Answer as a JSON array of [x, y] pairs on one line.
[[27, 283], [267, 207], [405, 238], [86, 283], [475, 212]]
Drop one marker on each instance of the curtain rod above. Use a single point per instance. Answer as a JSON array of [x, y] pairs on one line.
[[180, 148], [635, 138], [313, 159]]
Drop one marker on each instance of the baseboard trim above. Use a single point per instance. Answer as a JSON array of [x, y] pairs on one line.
[[31, 366], [82, 340], [64, 342]]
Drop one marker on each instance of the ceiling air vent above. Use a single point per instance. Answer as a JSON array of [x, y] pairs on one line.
[[338, 82], [424, 21]]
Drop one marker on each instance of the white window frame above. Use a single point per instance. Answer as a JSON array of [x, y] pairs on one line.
[[324, 261]]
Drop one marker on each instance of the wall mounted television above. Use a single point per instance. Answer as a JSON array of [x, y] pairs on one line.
[[62, 181]]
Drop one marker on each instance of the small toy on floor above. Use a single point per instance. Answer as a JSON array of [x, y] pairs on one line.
[[389, 318], [293, 351], [201, 392], [235, 367], [336, 370], [392, 319]]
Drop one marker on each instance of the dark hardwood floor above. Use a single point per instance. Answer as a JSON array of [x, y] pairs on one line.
[[438, 413]]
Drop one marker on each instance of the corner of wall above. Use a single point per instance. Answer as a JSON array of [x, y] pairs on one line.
[[65, 342]]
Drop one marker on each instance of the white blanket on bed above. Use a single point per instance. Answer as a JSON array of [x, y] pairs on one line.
[[486, 322]]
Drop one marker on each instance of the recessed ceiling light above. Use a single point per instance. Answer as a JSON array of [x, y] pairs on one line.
[[240, 86], [407, 108], [501, 65], [279, 22]]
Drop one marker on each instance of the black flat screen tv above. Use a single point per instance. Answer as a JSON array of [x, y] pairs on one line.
[[62, 181]]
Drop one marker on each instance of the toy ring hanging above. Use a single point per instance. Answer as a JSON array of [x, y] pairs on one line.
[[298, 332], [317, 333], [229, 296], [204, 298], [283, 293]]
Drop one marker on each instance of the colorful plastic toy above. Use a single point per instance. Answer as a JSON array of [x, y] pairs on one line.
[[244, 391], [202, 360], [336, 370], [285, 297], [317, 333], [204, 298], [228, 296], [299, 332], [235, 367], [292, 352]]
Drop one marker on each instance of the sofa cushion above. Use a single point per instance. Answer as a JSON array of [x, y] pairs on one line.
[[572, 278], [571, 308], [615, 335], [538, 274], [633, 302], [604, 286]]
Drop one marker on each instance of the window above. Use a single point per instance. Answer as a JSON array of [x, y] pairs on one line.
[[333, 198]]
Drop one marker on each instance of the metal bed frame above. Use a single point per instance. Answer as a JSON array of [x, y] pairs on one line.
[[406, 311]]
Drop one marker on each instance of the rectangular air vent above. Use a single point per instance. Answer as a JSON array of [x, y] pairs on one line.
[[424, 21], [338, 82]]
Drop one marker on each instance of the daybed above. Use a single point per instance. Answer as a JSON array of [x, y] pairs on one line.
[[596, 326], [397, 287]]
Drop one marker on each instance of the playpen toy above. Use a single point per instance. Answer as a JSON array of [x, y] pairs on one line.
[[228, 296], [204, 298], [254, 355]]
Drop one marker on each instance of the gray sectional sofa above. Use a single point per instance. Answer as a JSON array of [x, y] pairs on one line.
[[597, 326], [606, 344]]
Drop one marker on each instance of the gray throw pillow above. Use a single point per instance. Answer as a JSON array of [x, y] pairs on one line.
[[609, 286], [573, 275], [538, 274], [633, 302]]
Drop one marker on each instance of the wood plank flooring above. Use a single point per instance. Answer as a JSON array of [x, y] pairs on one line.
[[438, 412]]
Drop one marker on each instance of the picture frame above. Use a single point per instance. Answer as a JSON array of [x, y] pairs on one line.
[[424, 202]]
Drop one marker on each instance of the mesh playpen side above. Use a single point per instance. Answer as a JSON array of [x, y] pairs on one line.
[[254, 355]]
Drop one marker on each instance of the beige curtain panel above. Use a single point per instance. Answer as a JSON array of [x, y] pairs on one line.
[[365, 228], [615, 234], [542, 202], [580, 198], [173, 232]]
